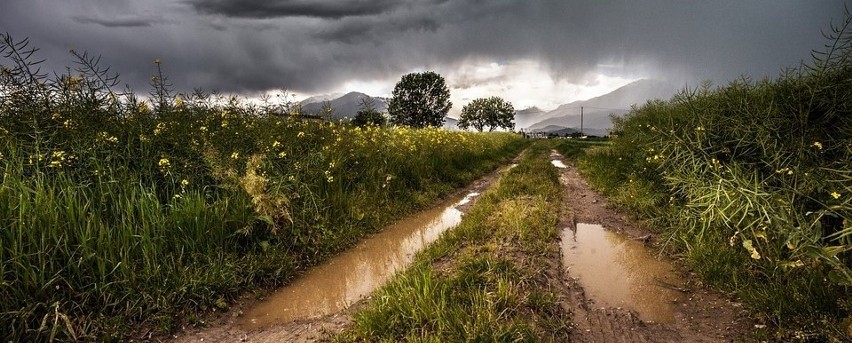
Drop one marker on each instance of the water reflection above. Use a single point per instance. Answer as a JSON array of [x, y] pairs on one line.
[[558, 164], [345, 279], [617, 272]]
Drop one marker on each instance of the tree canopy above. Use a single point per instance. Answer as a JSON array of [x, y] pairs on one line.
[[368, 115], [420, 100], [493, 112]]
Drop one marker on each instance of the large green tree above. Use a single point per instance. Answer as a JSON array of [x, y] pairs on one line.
[[493, 112], [420, 100]]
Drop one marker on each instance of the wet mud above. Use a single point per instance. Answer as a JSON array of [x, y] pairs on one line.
[[616, 288], [353, 275]]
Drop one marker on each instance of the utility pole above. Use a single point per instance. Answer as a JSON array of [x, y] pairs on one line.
[[581, 121]]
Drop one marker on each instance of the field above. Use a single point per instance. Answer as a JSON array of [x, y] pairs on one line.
[[120, 213]]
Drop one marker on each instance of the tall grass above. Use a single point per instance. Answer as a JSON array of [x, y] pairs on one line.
[[484, 280], [753, 182], [118, 213]]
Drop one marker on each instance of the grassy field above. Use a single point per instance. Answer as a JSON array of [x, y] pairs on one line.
[[482, 281], [118, 214], [752, 183]]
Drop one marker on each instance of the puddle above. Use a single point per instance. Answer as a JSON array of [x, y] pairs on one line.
[[618, 272], [558, 164], [348, 277]]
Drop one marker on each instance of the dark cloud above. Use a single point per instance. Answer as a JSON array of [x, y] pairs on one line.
[[130, 21], [314, 46], [293, 8]]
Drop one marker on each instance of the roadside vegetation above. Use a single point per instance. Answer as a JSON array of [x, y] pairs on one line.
[[483, 281], [119, 213], [752, 183]]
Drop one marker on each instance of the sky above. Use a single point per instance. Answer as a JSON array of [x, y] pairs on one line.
[[530, 52]]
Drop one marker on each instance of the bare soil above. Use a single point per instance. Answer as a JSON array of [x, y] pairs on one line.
[[701, 315]]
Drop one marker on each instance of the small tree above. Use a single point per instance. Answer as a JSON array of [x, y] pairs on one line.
[[420, 100], [368, 115], [493, 112]]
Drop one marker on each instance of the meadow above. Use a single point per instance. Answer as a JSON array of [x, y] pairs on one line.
[[124, 215], [751, 183]]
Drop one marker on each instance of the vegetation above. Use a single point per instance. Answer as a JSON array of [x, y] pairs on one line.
[[117, 212], [368, 115], [484, 280], [420, 100], [752, 182], [493, 112]]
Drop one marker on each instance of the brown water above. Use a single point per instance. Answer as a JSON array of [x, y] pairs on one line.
[[618, 272], [346, 278]]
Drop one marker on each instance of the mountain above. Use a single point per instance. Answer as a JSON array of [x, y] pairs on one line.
[[525, 117], [345, 106], [596, 111]]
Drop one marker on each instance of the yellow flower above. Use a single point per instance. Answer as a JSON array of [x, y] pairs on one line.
[[276, 144], [300, 134], [818, 145], [184, 183], [203, 129], [235, 155], [164, 163], [835, 195], [282, 154], [178, 101]]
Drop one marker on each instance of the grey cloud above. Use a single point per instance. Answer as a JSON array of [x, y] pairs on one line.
[[122, 21], [251, 46], [293, 8]]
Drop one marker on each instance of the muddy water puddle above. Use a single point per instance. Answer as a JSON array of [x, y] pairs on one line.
[[342, 281], [619, 272]]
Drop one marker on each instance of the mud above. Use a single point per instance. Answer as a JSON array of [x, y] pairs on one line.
[[321, 303], [348, 277], [686, 312], [618, 272]]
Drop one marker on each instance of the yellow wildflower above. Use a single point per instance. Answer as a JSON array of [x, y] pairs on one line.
[[235, 155], [835, 195], [164, 163], [184, 183], [818, 145]]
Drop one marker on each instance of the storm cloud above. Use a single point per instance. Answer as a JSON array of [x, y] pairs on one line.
[[316, 46]]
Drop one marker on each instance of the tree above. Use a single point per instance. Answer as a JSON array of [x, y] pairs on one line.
[[420, 100], [368, 115], [493, 112]]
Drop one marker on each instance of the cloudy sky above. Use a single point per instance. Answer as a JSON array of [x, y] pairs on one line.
[[531, 52]]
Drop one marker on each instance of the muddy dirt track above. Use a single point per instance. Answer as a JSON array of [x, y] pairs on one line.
[[697, 314]]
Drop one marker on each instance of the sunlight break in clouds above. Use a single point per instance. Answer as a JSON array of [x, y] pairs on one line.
[[524, 83]]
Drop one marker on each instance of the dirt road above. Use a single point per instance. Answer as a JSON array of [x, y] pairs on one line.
[[698, 315]]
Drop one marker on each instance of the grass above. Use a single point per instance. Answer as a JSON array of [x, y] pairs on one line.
[[119, 214], [483, 280], [751, 183]]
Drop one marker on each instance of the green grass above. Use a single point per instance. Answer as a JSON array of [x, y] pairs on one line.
[[751, 183], [482, 281], [118, 214]]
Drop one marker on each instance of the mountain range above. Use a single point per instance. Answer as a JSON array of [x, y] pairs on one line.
[[562, 120]]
